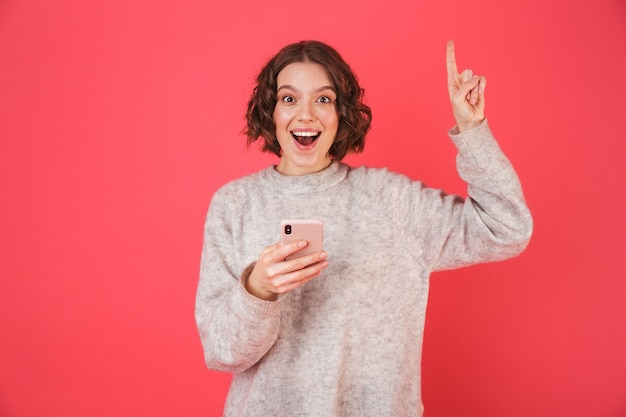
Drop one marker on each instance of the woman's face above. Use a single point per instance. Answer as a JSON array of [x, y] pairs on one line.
[[306, 118]]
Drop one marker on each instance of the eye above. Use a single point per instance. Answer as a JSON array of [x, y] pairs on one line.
[[287, 99], [324, 99]]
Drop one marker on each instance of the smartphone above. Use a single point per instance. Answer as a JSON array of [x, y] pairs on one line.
[[311, 230]]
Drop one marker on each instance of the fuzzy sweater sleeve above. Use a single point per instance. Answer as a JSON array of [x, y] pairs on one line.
[[236, 329], [493, 222]]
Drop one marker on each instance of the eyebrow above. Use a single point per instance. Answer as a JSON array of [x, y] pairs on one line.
[[319, 90]]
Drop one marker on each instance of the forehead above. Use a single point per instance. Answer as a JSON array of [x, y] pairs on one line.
[[303, 74]]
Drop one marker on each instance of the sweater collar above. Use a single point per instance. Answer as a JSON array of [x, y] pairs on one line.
[[304, 184]]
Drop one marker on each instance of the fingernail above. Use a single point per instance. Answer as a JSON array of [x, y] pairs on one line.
[[323, 255]]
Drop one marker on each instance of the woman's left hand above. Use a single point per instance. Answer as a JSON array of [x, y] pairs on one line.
[[467, 93]]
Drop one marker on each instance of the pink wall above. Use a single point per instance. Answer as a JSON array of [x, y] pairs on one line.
[[118, 120]]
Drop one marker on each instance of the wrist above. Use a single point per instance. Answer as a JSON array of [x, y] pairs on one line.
[[260, 294], [463, 127]]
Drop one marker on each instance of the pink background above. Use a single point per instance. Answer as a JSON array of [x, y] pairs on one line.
[[119, 119]]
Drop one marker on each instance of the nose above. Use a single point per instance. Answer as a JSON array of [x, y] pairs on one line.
[[306, 112]]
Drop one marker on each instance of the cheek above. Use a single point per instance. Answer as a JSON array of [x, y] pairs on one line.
[[281, 117], [331, 120], [275, 116]]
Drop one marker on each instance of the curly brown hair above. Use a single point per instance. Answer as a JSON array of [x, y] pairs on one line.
[[354, 116]]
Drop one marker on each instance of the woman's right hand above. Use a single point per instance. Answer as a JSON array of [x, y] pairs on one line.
[[467, 93], [272, 275]]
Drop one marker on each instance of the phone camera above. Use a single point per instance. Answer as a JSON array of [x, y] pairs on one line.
[[287, 229]]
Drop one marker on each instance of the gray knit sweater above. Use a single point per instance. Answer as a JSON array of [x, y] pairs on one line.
[[349, 342]]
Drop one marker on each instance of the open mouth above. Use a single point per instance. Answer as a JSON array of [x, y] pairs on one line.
[[306, 138]]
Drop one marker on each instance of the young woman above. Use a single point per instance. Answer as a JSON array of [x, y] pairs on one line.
[[339, 332]]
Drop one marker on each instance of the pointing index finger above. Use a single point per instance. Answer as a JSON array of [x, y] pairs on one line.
[[451, 59]]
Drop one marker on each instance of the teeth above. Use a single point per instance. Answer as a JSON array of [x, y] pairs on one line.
[[305, 134]]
